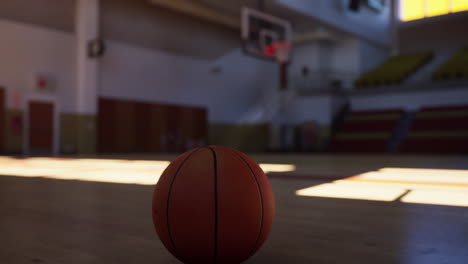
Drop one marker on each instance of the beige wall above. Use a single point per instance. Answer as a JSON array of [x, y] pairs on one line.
[[247, 138], [13, 139], [77, 133]]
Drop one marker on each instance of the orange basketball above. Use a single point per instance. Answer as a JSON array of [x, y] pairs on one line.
[[213, 205]]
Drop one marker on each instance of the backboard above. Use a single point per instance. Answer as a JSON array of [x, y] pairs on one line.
[[261, 31]]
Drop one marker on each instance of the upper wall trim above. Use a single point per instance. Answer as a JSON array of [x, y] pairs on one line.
[[55, 14]]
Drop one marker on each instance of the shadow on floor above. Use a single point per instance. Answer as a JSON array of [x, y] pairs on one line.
[[67, 221]]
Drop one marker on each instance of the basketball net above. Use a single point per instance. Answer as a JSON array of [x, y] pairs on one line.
[[280, 50]]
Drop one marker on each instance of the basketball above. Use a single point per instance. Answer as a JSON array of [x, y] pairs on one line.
[[213, 205]]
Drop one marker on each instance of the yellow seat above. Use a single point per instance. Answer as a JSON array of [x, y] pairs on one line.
[[394, 70]]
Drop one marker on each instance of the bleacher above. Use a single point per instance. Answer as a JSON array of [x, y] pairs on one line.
[[438, 130], [393, 71], [366, 131], [455, 68]]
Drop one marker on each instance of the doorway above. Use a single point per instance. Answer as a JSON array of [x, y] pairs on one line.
[[40, 134], [2, 119]]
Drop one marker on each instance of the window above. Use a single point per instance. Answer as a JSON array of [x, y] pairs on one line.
[[437, 7], [459, 5], [417, 9], [412, 9]]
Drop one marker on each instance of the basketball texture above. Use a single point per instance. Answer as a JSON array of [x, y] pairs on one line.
[[213, 205]]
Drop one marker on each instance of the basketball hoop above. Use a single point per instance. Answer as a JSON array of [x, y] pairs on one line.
[[280, 50]]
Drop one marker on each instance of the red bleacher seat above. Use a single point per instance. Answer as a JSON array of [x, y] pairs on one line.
[[366, 131], [441, 129]]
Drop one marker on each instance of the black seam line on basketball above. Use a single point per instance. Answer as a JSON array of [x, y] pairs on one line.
[[215, 205], [169, 198], [261, 201]]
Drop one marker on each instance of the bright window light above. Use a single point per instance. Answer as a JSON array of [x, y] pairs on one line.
[[437, 7], [417, 9], [412, 9], [459, 5]]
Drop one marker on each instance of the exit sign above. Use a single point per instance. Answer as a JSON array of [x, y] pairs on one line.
[[43, 83]]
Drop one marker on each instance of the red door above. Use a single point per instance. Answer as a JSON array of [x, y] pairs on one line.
[[106, 125], [41, 127], [174, 141], [2, 119], [143, 127]]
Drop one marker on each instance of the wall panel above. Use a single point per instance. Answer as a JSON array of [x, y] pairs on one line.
[[130, 126]]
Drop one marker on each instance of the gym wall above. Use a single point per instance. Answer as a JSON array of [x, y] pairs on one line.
[[411, 100], [53, 14], [139, 23], [371, 55], [157, 57], [349, 56], [337, 14], [27, 50], [346, 55], [436, 33], [245, 137], [184, 61], [167, 57]]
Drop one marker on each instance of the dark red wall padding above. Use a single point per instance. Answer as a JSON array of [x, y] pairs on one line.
[[368, 126], [41, 125], [130, 126], [2, 117], [106, 125], [376, 112], [143, 127], [445, 108], [378, 122], [361, 145], [436, 145], [442, 124]]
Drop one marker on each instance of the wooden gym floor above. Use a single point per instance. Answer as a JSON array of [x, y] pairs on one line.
[[330, 209]]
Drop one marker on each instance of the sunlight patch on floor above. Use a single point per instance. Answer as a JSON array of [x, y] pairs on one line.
[[452, 198], [97, 170], [422, 176], [267, 167], [422, 186], [145, 172], [351, 190]]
